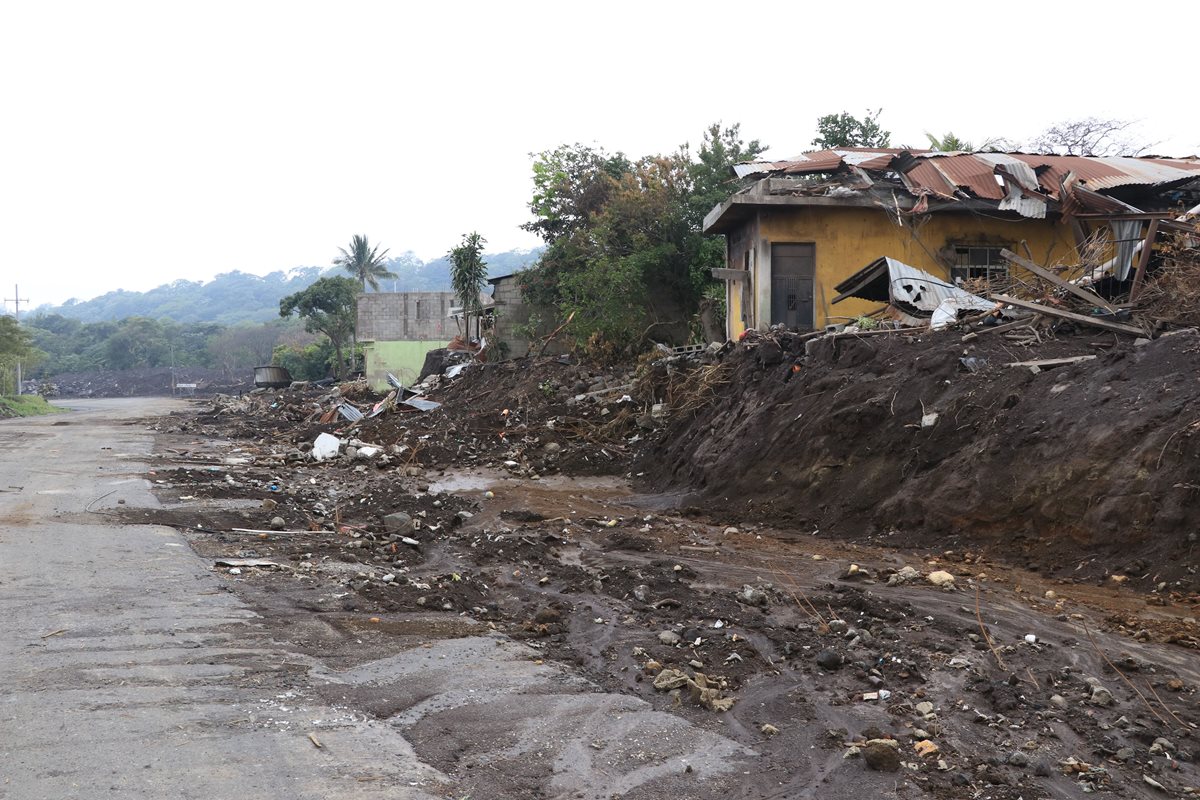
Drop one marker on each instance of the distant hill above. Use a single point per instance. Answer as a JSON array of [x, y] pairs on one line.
[[236, 297]]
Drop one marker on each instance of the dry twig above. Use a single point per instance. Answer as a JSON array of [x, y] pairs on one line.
[[986, 636], [1136, 691]]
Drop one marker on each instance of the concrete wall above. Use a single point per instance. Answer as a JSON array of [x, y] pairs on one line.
[[405, 316], [402, 359], [397, 329], [847, 239], [513, 316]]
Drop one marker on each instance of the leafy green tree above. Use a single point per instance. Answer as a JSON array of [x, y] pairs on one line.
[[16, 345], [305, 362], [328, 307], [625, 256], [844, 130], [364, 262], [138, 342], [468, 274]]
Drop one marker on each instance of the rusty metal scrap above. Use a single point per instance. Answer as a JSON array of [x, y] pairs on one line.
[[1028, 184]]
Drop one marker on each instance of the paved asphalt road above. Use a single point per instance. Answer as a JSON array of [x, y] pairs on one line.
[[125, 671], [128, 670]]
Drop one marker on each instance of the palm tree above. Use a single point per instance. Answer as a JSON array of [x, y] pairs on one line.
[[364, 262], [468, 274]]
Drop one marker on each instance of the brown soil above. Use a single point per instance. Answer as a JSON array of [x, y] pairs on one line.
[[1081, 470], [772, 611]]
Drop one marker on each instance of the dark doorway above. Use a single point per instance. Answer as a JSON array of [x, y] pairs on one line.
[[793, 267]]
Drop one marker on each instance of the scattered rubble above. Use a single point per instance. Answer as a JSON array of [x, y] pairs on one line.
[[783, 601]]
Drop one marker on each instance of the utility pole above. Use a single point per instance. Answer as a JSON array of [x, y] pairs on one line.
[[16, 300]]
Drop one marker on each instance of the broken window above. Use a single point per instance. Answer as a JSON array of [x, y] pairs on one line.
[[976, 263]]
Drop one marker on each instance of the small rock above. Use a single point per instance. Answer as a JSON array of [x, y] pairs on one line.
[[768, 729], [941, 579], [1059, 702], [547, 616], [670, 679], [903, 575], [924, 709], [752, 595], [551, 448], [925, 748], [1175, 685], [1101, 696], [669, 638], [881, 757], [398, 522], [829, 660], [269, 505], [1018, 759], [278, 523], [730, 531]]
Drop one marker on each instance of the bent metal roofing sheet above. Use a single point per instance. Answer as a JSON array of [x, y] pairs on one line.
[[1020, 181]]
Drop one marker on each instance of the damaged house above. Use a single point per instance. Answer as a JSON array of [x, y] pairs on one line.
[[829, 236]]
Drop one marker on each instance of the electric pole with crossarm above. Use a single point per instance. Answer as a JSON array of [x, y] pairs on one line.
[[16, 300]]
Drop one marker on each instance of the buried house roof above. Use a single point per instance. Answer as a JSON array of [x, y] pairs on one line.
[[916, 181]]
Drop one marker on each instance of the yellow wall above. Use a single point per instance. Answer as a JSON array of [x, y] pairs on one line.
[[847, 239]]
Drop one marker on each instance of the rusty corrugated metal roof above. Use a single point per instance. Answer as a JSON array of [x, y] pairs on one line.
[[1020, 182], [972, 174]]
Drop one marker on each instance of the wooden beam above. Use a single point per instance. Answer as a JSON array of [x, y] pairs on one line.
[[1094, 322], [1051, 362], [1147, 249], [730, 274], [1046, 274], [1142, 215]]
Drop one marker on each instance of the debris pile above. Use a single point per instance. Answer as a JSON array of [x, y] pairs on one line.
[[147, 382], [1067, 449]]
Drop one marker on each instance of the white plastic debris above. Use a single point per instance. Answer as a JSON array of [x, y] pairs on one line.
[[1030, 638], [326, 446]]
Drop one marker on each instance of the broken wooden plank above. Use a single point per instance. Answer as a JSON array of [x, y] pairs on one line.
[[877, 332], [1095, 322], [1045, 274], [1147, 250], [1050, 362], [1007, 326]]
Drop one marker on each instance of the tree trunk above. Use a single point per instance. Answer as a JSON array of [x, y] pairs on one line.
[[341, 362]]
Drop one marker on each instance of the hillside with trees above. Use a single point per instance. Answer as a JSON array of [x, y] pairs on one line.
[[233, 298]]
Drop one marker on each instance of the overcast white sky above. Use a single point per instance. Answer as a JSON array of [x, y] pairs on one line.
[[142, 142]]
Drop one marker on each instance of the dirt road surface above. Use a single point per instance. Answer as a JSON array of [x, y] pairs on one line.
[[128, 669]]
